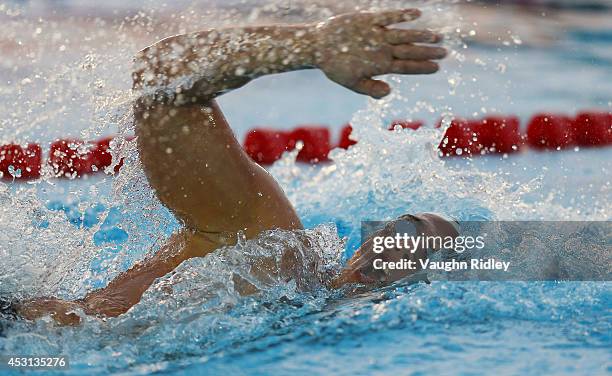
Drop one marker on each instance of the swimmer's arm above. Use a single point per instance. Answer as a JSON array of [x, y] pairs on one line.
[[350, 49], [188, 151], [125, 290]]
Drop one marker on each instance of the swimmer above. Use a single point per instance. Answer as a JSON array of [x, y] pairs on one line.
[[196, 166]]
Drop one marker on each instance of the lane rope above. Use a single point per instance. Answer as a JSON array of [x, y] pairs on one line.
[[73, 158]]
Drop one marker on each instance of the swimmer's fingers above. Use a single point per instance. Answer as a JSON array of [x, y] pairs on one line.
[[399, 36], [391, 17], [374, 88], [412, 52], [413, 67]]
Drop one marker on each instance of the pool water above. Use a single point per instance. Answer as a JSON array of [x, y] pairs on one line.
[[65, 238]]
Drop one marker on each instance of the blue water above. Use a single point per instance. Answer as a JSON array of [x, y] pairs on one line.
[[93, 229]]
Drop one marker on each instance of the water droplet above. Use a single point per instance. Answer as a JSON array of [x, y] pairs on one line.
[[16, 173]]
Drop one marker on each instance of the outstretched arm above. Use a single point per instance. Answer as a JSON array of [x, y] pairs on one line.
[[124, 291], [350, 49]]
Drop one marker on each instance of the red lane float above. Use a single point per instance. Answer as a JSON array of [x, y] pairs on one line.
[[593, 129], [315, 143], [69, 158], [549, 131], [265, 146], [460, 139], [72, 158], [101, 156], [345, 140], [17, 163], [499, 134], [493, 134]]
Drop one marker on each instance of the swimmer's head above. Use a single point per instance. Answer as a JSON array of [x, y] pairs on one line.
[[433, 224], [361, 268]]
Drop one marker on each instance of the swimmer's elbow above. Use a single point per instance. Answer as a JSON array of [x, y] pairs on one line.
[[149, 74], [98, 304], [160, 66]]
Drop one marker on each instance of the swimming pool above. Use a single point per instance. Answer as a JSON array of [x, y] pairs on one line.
[[93, 229]]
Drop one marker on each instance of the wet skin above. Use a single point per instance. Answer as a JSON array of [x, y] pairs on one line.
[[197, 167]]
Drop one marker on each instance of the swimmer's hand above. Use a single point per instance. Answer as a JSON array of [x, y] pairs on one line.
[[61, 311], [352, 48]]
